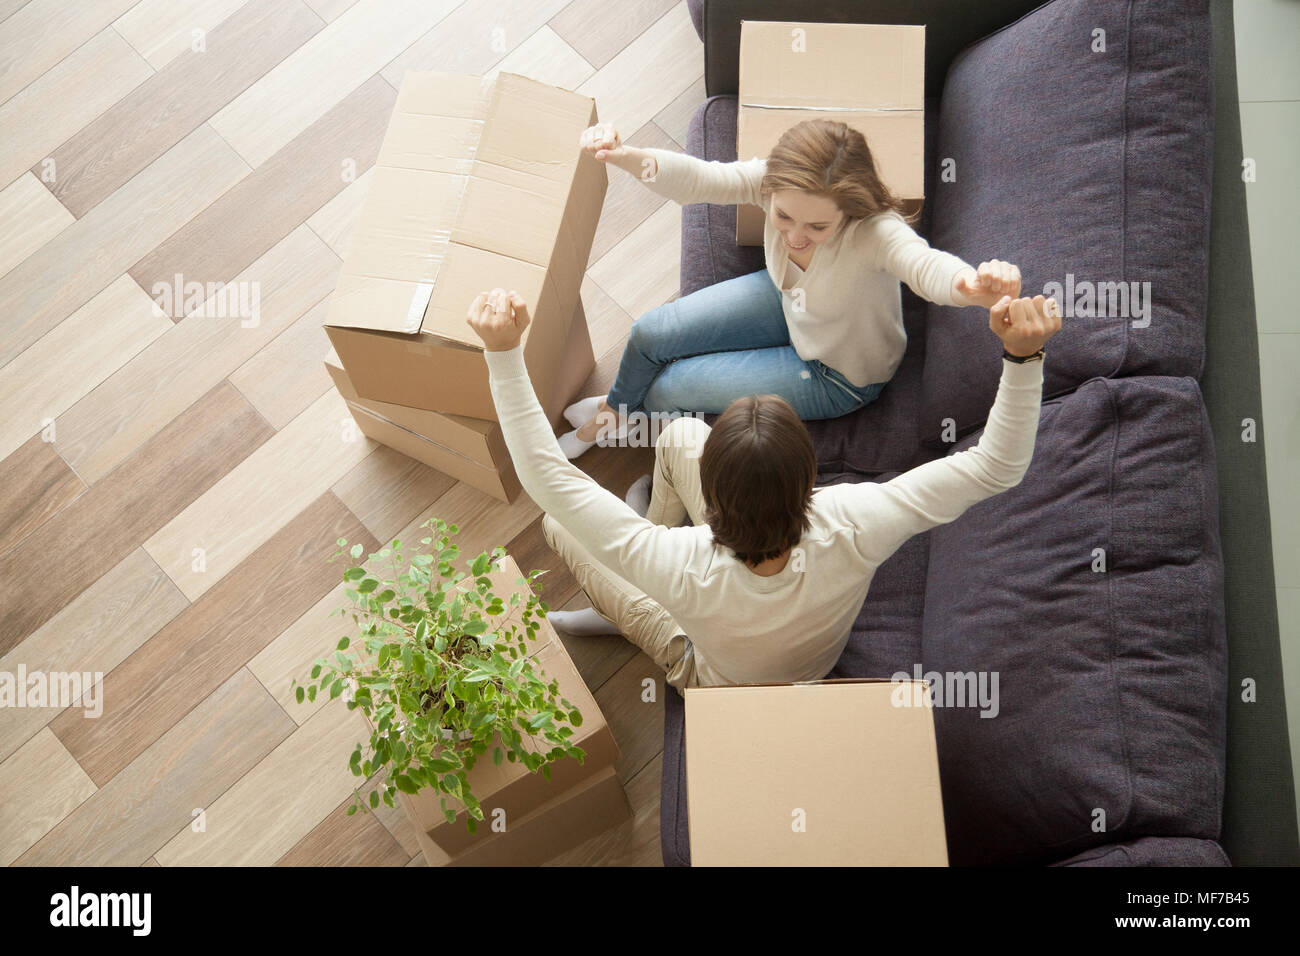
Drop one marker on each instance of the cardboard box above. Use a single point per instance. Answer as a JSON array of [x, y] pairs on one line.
[[562, 823], [852, 761], [479, 183], [502, 484], [510, 787], [870, 76], [472, 450], [477, 439]]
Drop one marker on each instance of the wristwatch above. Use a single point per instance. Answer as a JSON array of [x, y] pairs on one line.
[[1022, 359]]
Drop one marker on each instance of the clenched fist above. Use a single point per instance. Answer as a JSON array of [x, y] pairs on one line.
[[499, 318], [1024, 325], [987, 284], [603, 142]]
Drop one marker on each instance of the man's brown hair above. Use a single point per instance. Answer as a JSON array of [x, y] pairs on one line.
[[757, 472], [831, 159]]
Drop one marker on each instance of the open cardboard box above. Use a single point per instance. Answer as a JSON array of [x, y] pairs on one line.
[[479, 183], [539, 823], [824, 773], [870, 76]]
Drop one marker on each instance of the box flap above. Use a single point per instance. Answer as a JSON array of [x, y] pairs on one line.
[[529, 128], [858, 65], [471, 271], [824, 773]]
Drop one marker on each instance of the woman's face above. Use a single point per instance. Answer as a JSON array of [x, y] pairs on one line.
[[802, 219]]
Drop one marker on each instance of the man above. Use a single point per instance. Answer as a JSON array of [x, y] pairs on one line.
[[766, 582]]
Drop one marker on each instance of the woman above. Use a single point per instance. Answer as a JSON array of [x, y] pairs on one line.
[[822, 325]]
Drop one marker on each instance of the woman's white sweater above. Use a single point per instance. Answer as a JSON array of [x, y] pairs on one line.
[[793, 625], [846, 309]]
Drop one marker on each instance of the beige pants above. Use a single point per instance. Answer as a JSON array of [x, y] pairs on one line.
[[675, 496]]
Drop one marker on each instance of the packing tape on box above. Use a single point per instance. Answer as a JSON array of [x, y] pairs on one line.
[[452, 213]]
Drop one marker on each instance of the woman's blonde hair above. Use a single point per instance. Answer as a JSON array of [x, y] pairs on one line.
[[831, 159]]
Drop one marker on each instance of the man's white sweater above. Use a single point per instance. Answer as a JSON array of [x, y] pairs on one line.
[[793, 625], [846, 309]]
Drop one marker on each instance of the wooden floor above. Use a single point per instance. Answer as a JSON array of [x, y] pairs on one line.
[[130, 438]]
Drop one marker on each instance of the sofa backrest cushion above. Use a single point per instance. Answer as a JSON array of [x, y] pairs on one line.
[[1078, 142], [1093, 590]]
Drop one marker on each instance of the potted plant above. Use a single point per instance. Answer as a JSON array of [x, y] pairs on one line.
[[439, 665]]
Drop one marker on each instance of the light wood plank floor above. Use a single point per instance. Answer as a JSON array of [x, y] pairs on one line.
[[171, 484]]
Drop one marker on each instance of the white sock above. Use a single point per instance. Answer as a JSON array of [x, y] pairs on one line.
[[638, 496], [585, 623], [583, 410], [573, 446]]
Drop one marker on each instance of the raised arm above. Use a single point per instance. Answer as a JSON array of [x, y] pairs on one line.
[[646, 554], [677, 176], [886, 515], [940, 276]]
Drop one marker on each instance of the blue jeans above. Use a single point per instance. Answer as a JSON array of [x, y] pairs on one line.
[[701, 352]]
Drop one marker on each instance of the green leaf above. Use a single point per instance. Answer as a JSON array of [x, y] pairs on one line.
[[300, 694], [353, 574], [497, 755], [357, 551], [343, 644], [366, 586], [374, 799], [406, 784]]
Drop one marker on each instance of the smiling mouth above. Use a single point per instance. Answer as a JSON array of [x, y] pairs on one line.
[[793, 246]]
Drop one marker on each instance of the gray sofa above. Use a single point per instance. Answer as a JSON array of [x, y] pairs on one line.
[[1123, 736]]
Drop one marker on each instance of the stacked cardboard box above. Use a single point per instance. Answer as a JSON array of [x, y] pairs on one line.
[[870, 76], [824, 773], [529, 819], [479, 183]]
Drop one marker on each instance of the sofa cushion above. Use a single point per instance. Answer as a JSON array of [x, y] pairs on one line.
[[1073, 161], [885, 640], [1152, 851], [880, 436], [1093, 590]]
